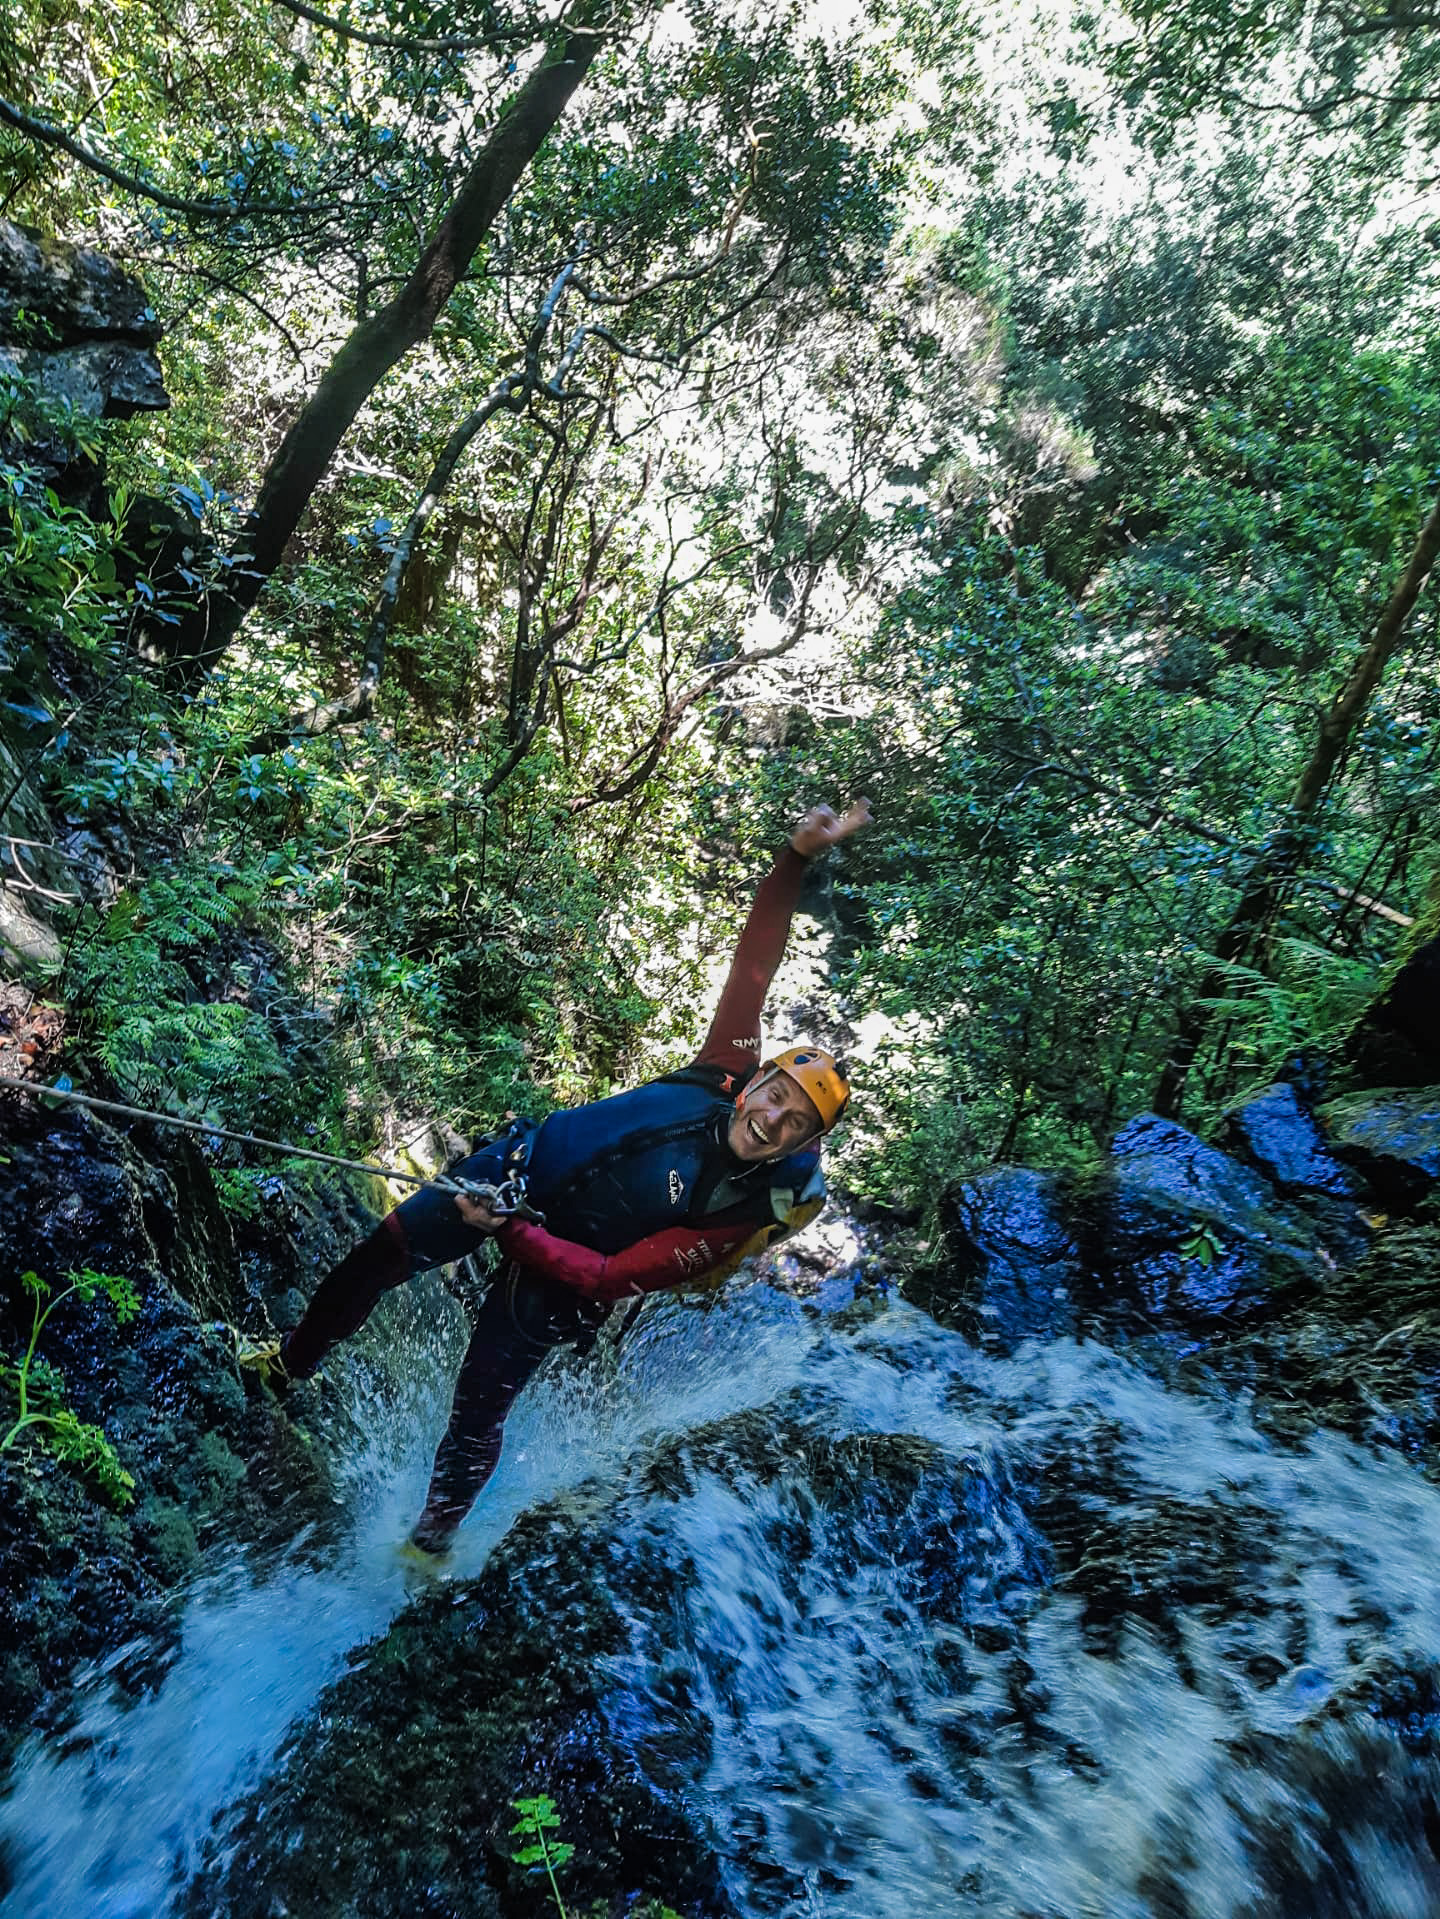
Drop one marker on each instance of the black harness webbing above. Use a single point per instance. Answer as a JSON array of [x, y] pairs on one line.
[[645, 1138]]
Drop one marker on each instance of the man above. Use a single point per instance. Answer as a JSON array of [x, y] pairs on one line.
[[673, 1182]]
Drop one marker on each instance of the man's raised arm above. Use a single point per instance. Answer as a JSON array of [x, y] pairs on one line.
[[734, 1035]]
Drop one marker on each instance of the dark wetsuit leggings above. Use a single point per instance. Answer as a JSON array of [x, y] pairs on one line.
[[522, 1319]]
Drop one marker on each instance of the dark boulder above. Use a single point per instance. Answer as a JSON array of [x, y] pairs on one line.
[[1277, 1136], [78, 325], [1163, 1174], [1172, 1239], [1391, 1137], [1181, 1241], [70, 292], [1397, 1043], [1011, 1268]]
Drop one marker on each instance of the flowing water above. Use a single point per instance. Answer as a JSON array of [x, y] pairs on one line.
[[932, 1679]]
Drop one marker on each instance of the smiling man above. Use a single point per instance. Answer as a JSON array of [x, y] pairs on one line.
[[672, 1183]]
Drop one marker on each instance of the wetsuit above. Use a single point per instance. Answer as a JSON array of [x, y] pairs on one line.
[[640, 1192]]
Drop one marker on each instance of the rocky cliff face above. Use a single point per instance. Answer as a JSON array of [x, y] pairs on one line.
[[78, 331], [79, 1577], [79, 326]]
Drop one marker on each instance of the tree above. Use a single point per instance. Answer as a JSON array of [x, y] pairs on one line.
[[1263, 885], [379, 341]]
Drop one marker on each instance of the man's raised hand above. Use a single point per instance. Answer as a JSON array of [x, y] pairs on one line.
[[822, 827]]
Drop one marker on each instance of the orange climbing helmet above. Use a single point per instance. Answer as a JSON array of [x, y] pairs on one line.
[[818, 1074]]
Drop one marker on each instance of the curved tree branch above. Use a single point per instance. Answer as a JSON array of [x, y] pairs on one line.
[[131, 179]]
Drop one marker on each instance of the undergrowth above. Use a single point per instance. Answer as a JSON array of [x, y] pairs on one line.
[[39, 1390]]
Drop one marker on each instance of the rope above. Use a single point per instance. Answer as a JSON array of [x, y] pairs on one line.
[[37, 1091]]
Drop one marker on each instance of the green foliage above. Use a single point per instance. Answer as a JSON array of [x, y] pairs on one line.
[[647, 1909], [1204, 1246], [1358, 75], [537, 1822], [40, 1392], [57, 561], [143, 978], [238, 1191]]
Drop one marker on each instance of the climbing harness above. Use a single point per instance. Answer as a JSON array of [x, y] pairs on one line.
[[508, 1198]]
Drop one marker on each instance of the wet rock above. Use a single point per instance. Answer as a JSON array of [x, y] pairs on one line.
[[72, 1586], [78, 1578], [1392, 1137], [1173, 1240], [79, 1193], [1182, 1240], [881, 1486], [1011, 1269], [1277, 1136], [1162, 1171], [1403, 1698], [1363, 1358], [558, 1671], [295, 1232], [397, 1797], [30, 947], [1341, 1819]]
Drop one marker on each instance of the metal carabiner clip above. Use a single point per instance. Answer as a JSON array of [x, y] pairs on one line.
[[508, 1199]]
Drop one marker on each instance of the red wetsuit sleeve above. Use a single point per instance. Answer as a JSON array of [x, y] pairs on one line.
[[670, 1258], [735, 1030]]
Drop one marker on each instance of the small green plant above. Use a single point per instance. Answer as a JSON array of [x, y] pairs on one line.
[[40, 1391], [537, 1819], [238, 1190], [1203, 1246]]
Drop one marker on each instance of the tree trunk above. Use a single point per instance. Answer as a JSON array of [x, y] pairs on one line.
[[376, 344], [1283, 852]]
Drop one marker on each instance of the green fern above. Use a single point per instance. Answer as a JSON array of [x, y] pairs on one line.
[[238, 1189], [1311, 996], [191, 907], [141, 981]]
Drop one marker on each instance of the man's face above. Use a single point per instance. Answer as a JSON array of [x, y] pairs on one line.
[[776, 1118]]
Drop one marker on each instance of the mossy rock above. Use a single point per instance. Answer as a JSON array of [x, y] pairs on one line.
[[1391, 1136]]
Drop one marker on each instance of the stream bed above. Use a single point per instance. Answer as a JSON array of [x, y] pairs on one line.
[[850, 1618]]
